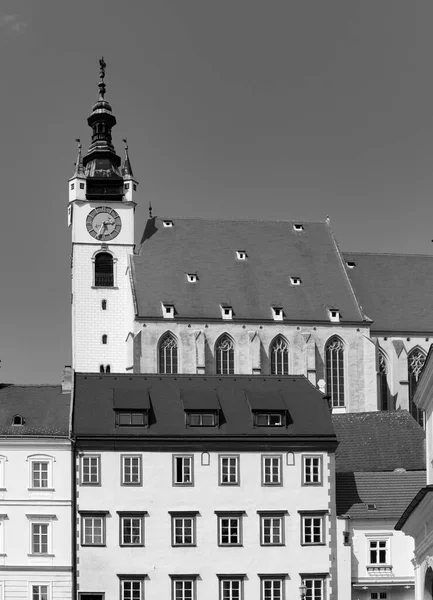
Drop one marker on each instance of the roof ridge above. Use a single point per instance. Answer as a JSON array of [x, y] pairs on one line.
[[218, 219], [386, 254]]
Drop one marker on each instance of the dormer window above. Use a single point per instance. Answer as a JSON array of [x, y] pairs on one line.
[[334, 315], [131, 407], [132, 418], [295, 280], [227, 312], [191, 277], [202, 408], [241, 255], [371, 506], [202, 419], [277, 313], [167, 223], [269, 419], [350, 264], [298, 227], [168, 311], [18, 420]]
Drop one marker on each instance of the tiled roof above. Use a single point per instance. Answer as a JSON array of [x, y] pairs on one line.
[[309, 415], [275, 252], [44, 408], [390, 493], [394, 290], [379, 441]]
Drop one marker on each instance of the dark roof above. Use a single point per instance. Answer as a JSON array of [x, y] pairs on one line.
[[126, 399], [265, 400], [394, 290], [390, 493], [379, 441], [275, 252], [204, 399], [44, 408], [411, 507], [93, 393]]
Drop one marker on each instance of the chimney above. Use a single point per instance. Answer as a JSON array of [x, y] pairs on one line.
[[67, 380]]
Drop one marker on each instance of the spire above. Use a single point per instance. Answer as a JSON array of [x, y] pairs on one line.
[[79, 168], [126, 169]]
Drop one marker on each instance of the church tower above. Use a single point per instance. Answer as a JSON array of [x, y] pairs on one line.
[[101, 217]]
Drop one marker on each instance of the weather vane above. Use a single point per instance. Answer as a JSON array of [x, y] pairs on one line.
[[101, 84]]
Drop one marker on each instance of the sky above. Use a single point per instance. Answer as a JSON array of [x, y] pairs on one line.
[[276, 109]]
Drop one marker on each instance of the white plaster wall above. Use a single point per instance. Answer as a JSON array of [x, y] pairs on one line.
[[343, 561], [158, 559]]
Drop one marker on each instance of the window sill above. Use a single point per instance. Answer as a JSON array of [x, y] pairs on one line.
[[40, 489], [270, 545], [230, 545], [130, 545], [229, 484], [307, 484], [93, 545], [183, 485], [138, 484], [90, 484], [272, 484], [104, 287], [313, 544], [184, 545], [37, 555]]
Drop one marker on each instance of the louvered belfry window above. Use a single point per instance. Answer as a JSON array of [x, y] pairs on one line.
[[225, 356], [280, 357], [415, 361], [334, 354], [383, 382], [168, 354], [104, 272]]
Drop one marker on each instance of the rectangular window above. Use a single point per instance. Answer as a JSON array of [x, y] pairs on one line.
[[271, 470], [39, 592], [183, 474], [90, 470], [183, 530], [231, 589], [39, 474], [269, 419], [272, 589], [229, 530], [315, 589], [378, 552], [183, 589], [312, 470], [93, 530], [378, 596], [312, 529], [132, 589], [131, 470], [128, 418], [131, 530], [202, 419], [272, 528], [229, 470], [40, 538]]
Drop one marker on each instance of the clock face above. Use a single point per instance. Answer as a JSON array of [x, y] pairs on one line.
[[103, 223]]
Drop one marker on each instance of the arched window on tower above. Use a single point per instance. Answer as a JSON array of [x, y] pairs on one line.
[[104, 271], [334, 357], [383, 381], [168, 354], [415, 363], [280, 356], [225, 355]]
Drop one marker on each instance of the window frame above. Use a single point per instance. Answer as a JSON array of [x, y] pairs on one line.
[[174, 470], [182, 515], [312, 457], [123, 482], [225, 578], [230, 515], [332, 373], [203, 413], [173, 362], [140, 515], [272, 514], [279, 458], [93, 515], [41, 520], [183, 578], [131, 579], [83, 457], [114, 269], [314, 578], [258, 414], [236, 458], [377, 539], [39, 584], [279, 357], [41, 458], [225, 359], [313, 515], [280, 578]]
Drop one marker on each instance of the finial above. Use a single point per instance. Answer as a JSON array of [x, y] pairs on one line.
[[150, 209], [101, 84], [127, 169]]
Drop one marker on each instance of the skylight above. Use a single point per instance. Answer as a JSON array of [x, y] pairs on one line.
[[334, 315], [167, 223], [298, 227], [277, 313], [192, 277], [168, 311], [241, 255], [295, 280], [227, 312]]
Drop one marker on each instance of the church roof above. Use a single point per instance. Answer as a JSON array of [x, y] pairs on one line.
[[44, 409], [377, 495], [394, 290], [378, 441], [308, 413], [275, 252]]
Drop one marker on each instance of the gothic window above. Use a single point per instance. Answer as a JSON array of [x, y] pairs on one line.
[[168, 354], [383, 382], [416, 360], [225, 355], [334, 356], [104, 271], [280, 356]]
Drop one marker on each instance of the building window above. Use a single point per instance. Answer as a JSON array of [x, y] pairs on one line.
[[378, 552], [131, 529], [271, 529], [241, 255], [226, 312], [104, 338], [90, 469], [277, 313], [312, 527], [93, 530], [265, 419], [229, 529], [17, 420], [334, 356], [272, 588], [40, 538], [129, 418], [131, 589], [416, 360], [105, 369], [104, 270], [378, 595], [39, 592], [39, 474], [168, 354], [183, 470], [131, 470], [208, 419], [271, 470], [280, 356], [183, 587], [229, 470], [231, 588], [383, 382], [104, 304], [312, 470], [315, 589], [225, 356], [183, 529]]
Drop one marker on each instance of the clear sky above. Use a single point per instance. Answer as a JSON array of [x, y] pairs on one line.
[[270, 109]]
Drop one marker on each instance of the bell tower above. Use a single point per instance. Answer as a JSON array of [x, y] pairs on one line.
[[101, 218]]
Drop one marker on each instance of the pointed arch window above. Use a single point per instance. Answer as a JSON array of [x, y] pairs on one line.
[[225, 355], [415, 360], [104, 270], [383, 381], [280, 356], [168, 354], [334, 356]]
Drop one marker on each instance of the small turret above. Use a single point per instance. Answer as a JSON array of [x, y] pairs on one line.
[[77, 183], [129, 181]]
